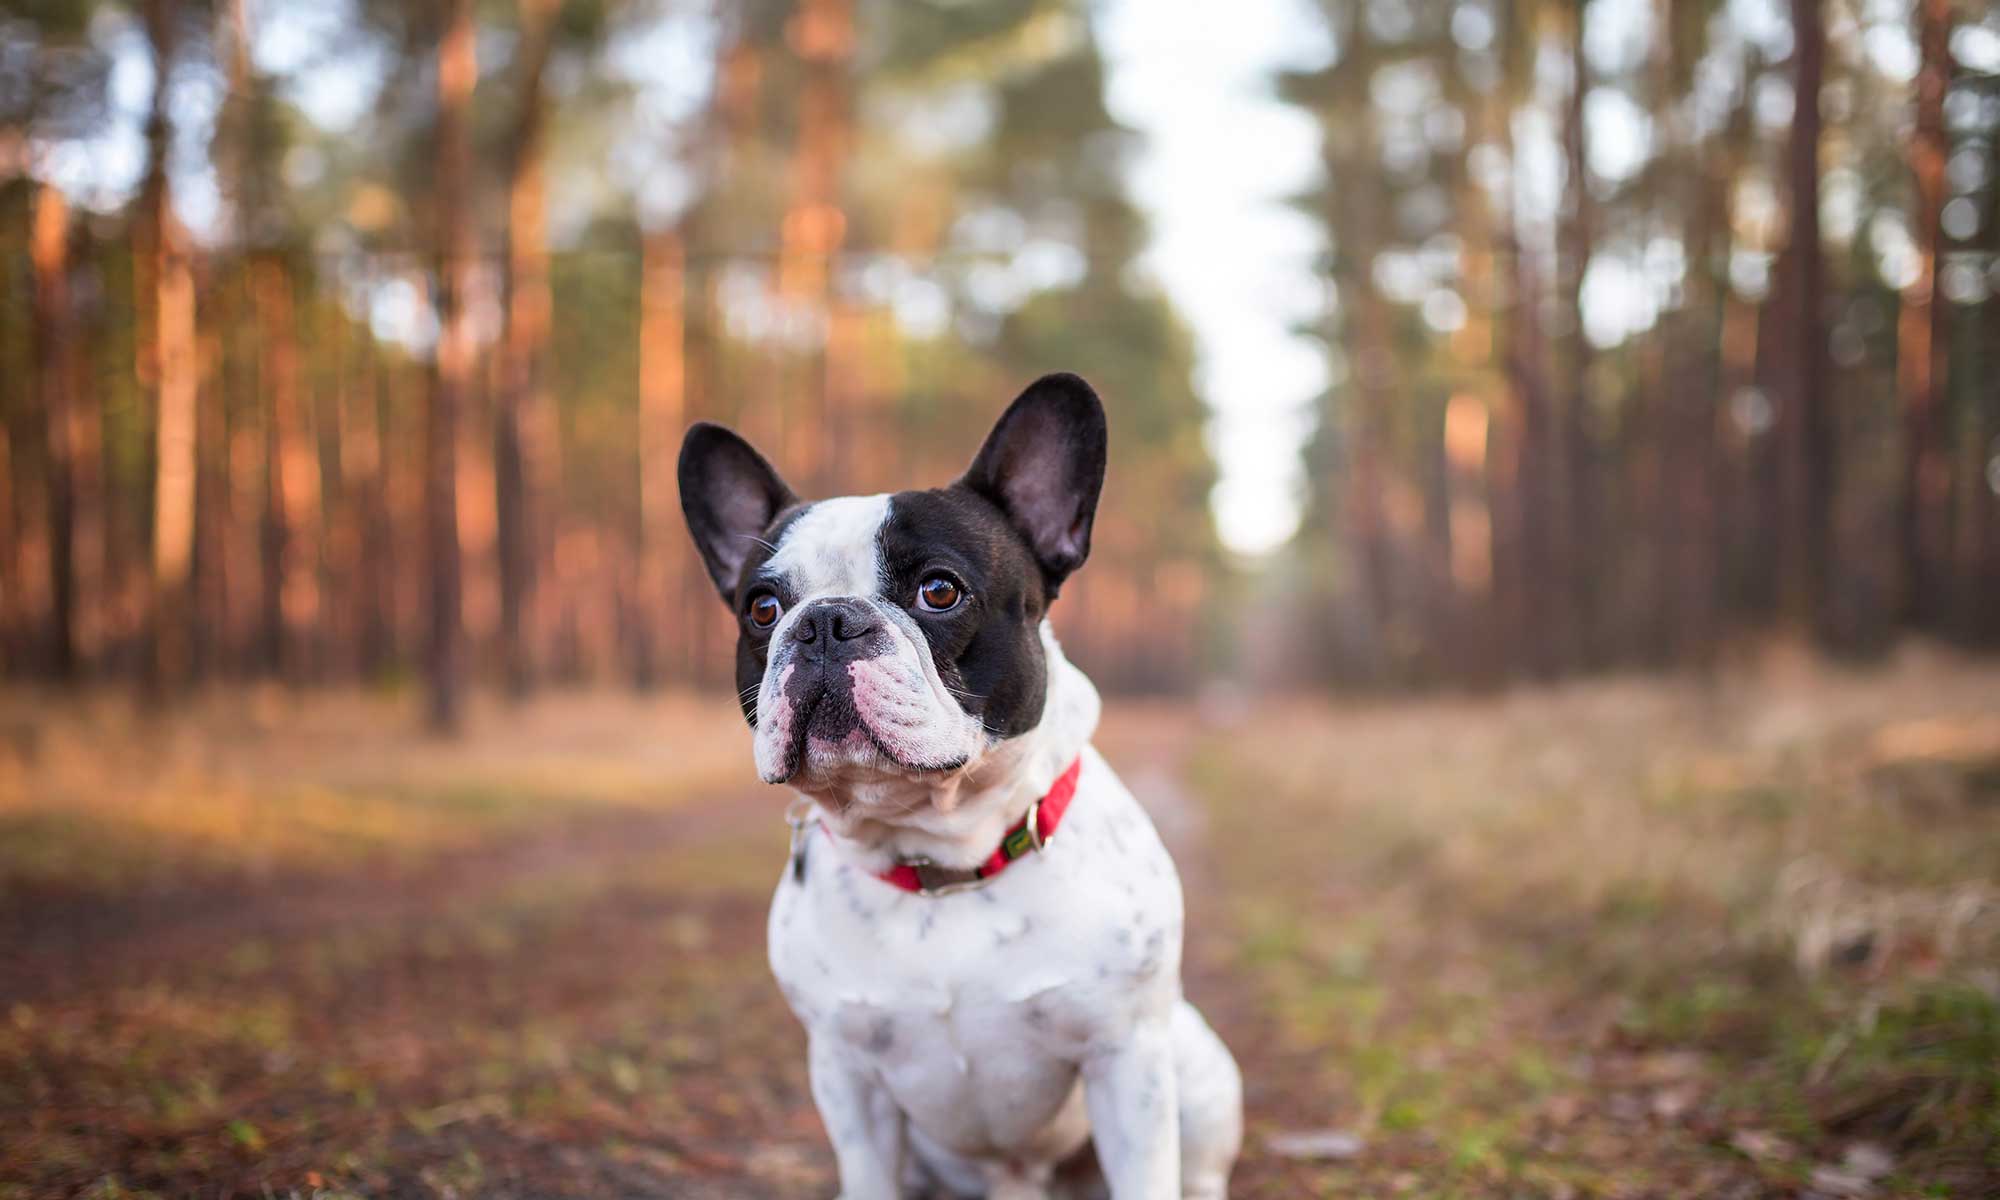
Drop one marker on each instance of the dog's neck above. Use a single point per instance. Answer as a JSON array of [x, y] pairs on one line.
[[956, 818]]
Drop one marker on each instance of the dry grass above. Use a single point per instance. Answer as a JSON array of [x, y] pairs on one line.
[[1513, 936], [1618, 939], [277, 944], [266, 782]]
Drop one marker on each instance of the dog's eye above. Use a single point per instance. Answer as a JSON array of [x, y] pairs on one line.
[[938, 594], [765, 610]]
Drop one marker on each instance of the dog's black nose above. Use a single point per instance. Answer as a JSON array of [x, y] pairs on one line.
[[839, 620]]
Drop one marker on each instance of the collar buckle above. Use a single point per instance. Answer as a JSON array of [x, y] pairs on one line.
[[927, 877], [936, 880], [1032, 824]]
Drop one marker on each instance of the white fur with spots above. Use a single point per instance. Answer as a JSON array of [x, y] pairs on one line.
[[970, 1043]]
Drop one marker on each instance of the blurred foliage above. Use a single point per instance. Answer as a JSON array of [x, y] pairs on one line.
[[980, 235]]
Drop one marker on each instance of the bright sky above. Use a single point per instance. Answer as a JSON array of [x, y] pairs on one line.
[[1221, 155]]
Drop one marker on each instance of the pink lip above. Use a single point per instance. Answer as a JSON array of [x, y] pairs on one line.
[[882, 697]]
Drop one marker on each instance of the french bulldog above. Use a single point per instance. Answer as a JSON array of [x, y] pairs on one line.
[[978, 925]]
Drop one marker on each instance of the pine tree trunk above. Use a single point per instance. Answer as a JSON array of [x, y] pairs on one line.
[[291, 481], [1707, 382], [73, 440], [1545, 603], [1375, 388], [524, 423], [1920, 342], [1579, 515], [821, 32], [662, 416], [1806, 545], [174, 453], [1443, 656], [1979, 574], [1686, 580], [452, 367], [170, 363], [1358, 220], [213, 517], [243, 473], [1509, 457], [364, 462], [14, 639], [728, 129], [1982, 582]]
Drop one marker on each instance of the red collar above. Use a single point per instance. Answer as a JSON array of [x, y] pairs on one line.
[[1028, 834]]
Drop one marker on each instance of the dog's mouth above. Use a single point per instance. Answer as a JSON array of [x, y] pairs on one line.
[[828, 734]]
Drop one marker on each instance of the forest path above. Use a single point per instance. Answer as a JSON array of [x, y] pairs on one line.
[[1534, 945], [575, 1003]]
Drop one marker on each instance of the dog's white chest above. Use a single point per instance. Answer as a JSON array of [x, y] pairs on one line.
[[976, 1010]]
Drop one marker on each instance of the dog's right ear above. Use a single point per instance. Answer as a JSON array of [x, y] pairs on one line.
[[731, 496], [1043, 466]]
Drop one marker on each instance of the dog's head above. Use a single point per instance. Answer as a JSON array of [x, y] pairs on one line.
[[898, 636]]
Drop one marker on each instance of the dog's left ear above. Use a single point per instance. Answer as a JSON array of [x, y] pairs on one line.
[[1043, 465], [730, 496]]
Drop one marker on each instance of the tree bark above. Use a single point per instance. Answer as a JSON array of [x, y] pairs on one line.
[[1579, 517], [1695, 337], [1546, 605], [821, 33], [14, 638], [1982, 583], [662, 415], [169, 361], [1719, 321], [452, 365], [524, 450], [74, 438], [211, 647], [291, 481], [1357, 219], [1920, 339], [1979, 578], [364, 481], [1809, 454]]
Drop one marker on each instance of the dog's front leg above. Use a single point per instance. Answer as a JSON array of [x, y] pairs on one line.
[[862, 1121], [1132, 1093]]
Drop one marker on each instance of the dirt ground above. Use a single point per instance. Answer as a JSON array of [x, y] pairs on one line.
[[1733, 937]]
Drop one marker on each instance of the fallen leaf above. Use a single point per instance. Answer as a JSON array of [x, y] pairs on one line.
[[1673, 1103], [1326, 1145], [1836, 1181], [1761, 1146], [1563, 1110], [1670, 1065], [1624, 1106], [1867, 1160]]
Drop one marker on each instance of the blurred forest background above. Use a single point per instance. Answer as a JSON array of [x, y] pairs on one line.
[[345, 352], [415, 395], [349, 340]]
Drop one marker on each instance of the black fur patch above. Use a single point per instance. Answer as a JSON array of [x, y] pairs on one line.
[[753, 645], [1043, 466], [988, 650], [728, 493], [818, 685], [1010, 532]]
